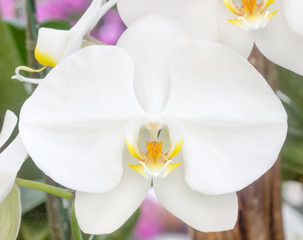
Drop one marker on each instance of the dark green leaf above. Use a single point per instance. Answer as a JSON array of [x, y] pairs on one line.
[[18, 33], [58, 24], [12, 92]]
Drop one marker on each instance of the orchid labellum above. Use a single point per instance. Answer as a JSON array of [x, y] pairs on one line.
[[193, 118], [275, 26]]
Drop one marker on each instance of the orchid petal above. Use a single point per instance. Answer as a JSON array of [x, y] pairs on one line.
[[11, 160], [234, 125], [175, 136], [293, 12], [207, 213], [101, 213], [132, 133], [280, 44], [53, 45], [73, 125], [10, 215], [87, 22], [150, 42], [10, 121], [231, 35], [194, 15]]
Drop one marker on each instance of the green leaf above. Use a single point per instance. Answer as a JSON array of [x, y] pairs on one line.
[[77, 235], [291, 84], [18, 33], [124, 232], [34, 225], [10, 215], [58, 24], [292, 160], [12, 92]]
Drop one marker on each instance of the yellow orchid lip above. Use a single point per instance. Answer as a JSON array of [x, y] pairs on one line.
[[44, 58], [252, 14], [155, 162]]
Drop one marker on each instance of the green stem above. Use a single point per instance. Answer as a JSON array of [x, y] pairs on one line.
[[63, 193]]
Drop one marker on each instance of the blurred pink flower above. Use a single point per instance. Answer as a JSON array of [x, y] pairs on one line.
[[47, 10], [152, 218], [60, 9], [111, 29], [7, 9], [75, 5]]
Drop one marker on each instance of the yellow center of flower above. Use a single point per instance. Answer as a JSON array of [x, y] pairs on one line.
[[252, 14], [155, 162]]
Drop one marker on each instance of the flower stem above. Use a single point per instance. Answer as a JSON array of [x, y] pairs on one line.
[[91, 237], [63, 193]]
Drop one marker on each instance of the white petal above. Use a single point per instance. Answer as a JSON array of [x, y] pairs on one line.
[[132, 133], [234, 125], [86, 23], [280, 44], [150, 42], [105, 212], [10, 215], [10, 121], [207, 213], [230, 35], [73, 125], [293, 10], [11, 160], [175, 135], [51, 46], [198, 17]]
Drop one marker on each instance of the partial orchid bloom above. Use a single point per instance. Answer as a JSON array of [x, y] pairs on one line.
[[53, 45], [276, 27], [11, 159], [193, 117], [10, 214]]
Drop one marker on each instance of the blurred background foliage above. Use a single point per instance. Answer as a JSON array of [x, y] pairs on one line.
[[13, 94]]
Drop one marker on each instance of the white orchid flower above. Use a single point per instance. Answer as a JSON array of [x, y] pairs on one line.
[[193, 117], [53, 45], [12, 157], [277, 25], [10, 214]]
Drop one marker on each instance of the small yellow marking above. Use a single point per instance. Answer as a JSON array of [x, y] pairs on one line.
[[154, 162], [132, 150], [171, 167], [251, 14], [154, 149], [44, 58], [177, 149], [139, 169], [249, 5]]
